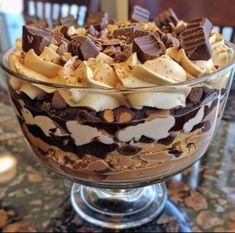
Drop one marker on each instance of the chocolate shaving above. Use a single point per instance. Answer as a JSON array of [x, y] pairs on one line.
[[148, 47], [98, 19], [167, 18], [35, 38], [83, 47], [140, 14], [195, 39]]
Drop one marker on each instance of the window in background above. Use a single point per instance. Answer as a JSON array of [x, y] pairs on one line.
[[11, 22]]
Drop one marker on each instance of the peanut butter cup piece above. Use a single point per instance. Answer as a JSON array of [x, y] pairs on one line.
[[140, 14], [83, 47], [195, 95], [148, 47], [123, 114], [195, 39], [107, 115], [98, 19], [35, 38], [166, 18]]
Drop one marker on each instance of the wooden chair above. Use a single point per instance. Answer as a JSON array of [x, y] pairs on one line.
[[54, 9], [221, 13]]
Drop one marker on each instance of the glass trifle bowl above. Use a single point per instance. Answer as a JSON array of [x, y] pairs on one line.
[[118, 144]]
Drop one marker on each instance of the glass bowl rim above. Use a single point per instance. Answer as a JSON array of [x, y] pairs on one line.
[[207, 77]]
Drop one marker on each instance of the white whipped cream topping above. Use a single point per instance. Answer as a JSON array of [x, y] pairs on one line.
[[155, 129], [83, 134], [161, 100], [188, 126], [43, 122]]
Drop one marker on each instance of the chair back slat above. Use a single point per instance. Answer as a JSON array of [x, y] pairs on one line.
[[232, 39], [221, 28], [41, 6]]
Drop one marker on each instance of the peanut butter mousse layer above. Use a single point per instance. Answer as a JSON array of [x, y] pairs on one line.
[[107, 123]]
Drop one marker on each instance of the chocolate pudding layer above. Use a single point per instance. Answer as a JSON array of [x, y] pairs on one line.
[[119, 101]]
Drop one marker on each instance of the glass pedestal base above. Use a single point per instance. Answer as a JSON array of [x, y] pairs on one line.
[[119, 209]]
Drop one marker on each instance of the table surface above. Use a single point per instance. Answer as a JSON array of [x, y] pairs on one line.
[[202, 198]]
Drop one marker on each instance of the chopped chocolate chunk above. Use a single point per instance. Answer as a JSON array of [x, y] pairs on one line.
[[128, 150], [86, 116], [166, 141], [123, 114], [83, 47], [68, 21], [58, 38], [195, 95], [170, 41], [121, 56], [148, 47], [140, 14], [175, 152], [58, 102], [145, 139], [96, 148], [166, 18], [183, 115], [35, 38], [195, 39], [209, 94], [205, 126], [108, 115], [98, 19], [62, 48]]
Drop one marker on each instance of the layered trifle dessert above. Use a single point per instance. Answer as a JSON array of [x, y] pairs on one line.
[[118, 101]]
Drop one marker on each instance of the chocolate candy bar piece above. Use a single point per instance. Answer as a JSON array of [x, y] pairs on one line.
[[148, 47], [195, 39], [195, 95], [140, 14], [136, 34], [83, 47], [35, 38], [166, 18], [98, 19], [125, 32]]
